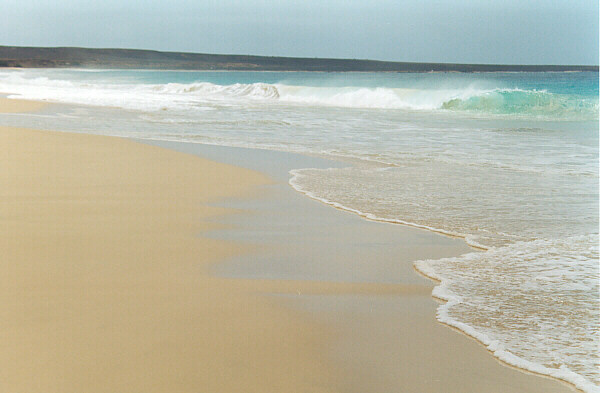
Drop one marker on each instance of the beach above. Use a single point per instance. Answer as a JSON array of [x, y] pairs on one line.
[[103, 286], [130, 267]]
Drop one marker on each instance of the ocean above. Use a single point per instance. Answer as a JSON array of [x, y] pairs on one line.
[[507, 161]]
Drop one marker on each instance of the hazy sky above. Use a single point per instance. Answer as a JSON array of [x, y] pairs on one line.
[[468, 31]]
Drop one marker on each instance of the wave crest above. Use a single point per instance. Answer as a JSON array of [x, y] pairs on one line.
[[206, 89], [531, 102]]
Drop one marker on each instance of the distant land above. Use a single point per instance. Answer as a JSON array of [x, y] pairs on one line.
[[71, 57]]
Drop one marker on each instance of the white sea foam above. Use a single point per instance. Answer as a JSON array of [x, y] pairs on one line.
[[527, 315]]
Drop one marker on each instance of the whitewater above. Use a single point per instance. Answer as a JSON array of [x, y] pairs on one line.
[[507, 161]]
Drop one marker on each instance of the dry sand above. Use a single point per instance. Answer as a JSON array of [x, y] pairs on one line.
[[104, 288], [14, 106]]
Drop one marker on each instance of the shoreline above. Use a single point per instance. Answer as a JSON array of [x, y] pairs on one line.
[[322, 312], [505, 358], [370, 217], [258, 160]]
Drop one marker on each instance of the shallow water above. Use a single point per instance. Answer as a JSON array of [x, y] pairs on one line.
[[509, 161]]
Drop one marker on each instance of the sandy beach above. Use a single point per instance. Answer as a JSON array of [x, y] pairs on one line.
[[130, 267]]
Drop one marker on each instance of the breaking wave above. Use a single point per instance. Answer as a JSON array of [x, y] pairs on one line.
[[150, 97], [493, 101]]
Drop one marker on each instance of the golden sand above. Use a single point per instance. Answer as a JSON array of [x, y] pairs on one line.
[[102, 284]]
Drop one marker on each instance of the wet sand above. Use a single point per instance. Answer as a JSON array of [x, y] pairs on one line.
[[385, 341]]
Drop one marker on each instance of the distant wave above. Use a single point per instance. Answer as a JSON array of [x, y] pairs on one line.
[[150, 97], [210, 90]]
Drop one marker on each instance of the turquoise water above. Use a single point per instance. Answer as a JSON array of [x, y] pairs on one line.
[[508, 161]]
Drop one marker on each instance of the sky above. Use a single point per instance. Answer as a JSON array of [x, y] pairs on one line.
[[467, 31]]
